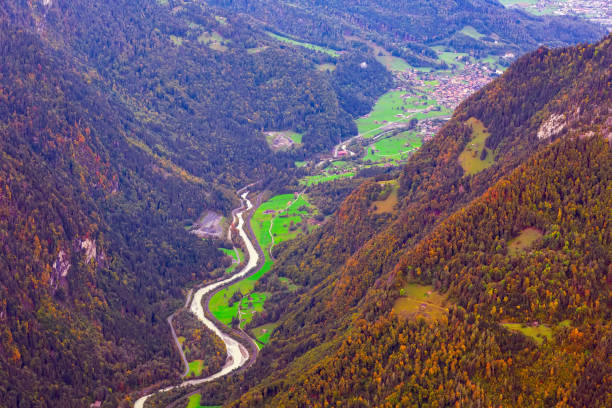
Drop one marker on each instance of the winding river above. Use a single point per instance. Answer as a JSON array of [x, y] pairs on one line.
[[237, 354]]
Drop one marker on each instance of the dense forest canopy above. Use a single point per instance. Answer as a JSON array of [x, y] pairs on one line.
[[124, 120], [510, 309]]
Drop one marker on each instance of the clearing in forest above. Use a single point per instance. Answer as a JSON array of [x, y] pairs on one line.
[[194, 402], [389, 200], [237, 260], [524, 241], [417, 301], [309, 46], [472, 158], [283, 140], [264, 332], [538, 332], [214, 40], [195, 368]]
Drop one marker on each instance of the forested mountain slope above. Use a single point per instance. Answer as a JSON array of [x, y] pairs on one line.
[[409, 28], [462, 233]]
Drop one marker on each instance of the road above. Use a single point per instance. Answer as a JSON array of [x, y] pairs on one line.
[[237, 354]]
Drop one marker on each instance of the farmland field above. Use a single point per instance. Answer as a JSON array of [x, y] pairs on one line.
[[194, 402], [279, 215], [322, 178], [394, 148], [393, 107]]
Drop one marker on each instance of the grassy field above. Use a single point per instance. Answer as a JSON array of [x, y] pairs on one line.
[[313, 47], [299, 164], [232, 253], [420, 301], [393, 149], [195, 400], [471, 32], [322, 178], [394, 107], [195, 368], [283, 140], [388, 204], [538, 333], [469, 158], [214, 40], [263, 333], [326, 67], [290, 285], [450, 57], [527, 237], [275, 215]]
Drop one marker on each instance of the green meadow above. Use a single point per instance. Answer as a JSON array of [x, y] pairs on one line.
[[395, 107], [309, 46], [393, 149], [274, 221], [471, 157], [195, 400]]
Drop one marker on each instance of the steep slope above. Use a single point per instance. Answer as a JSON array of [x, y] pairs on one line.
[[547, 124], [122, 121], [409, 28], [93, 250]]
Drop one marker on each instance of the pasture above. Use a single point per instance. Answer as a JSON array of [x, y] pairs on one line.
[[471, 159], [524, 241], [420, 301]]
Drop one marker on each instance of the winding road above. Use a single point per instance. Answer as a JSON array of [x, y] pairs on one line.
[[237, 354]]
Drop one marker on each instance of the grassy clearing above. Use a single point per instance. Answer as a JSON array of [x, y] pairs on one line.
[[326, 67], [214, 40], [290, 285], [221, 20], [388, 204], [309, 46], [196, 399], [393, 63], [263, 333], [283, 140], [299, 164], [420, 301], [232, 253], [471, 32], [470, 157], [383, 56], [322, 178], [525, 239], [538, 333], [195, 368], [396, 107], [178, 41], [256, 49], [393, 149]]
